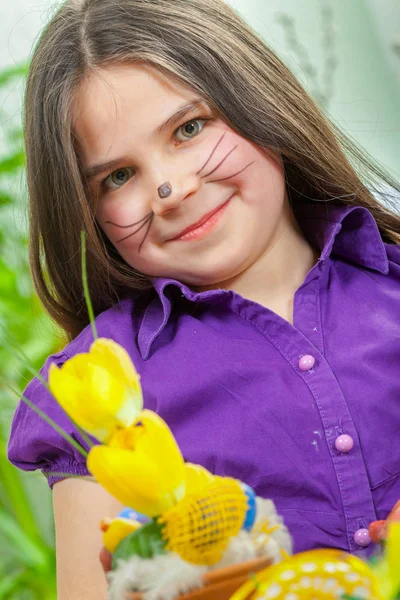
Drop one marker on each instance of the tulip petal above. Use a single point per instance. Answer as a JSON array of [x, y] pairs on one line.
[[76, 366], [108, 393], [65, 388], [197, 479], [116, 360], [99, 390], [156, 438], [133, 479], [142, 466], [86, 407]]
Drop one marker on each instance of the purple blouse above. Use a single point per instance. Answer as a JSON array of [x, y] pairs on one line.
[[307, 414]]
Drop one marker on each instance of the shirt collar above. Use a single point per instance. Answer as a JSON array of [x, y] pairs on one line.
[[349, 232], [346, 231]]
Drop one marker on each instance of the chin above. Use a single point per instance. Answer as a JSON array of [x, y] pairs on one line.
[[211, 278]]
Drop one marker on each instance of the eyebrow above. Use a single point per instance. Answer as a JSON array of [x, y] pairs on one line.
[[197, 103]]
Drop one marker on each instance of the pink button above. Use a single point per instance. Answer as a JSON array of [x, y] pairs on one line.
[[344, 443], [306, 362], [362, 538]]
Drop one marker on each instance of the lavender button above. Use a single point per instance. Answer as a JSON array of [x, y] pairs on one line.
[[344, 443], [362, 538], [306, 362]]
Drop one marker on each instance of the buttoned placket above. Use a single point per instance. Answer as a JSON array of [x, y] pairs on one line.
[[301, 344]]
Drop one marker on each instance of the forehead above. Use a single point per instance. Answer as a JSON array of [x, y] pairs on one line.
[[122, 100]]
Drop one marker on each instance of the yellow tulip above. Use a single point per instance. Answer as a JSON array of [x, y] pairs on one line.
[[197, 479], [100, 390], [141, 466]]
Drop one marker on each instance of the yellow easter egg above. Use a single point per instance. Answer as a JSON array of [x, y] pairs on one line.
[[199, 527], [118, 530], [314, 575]]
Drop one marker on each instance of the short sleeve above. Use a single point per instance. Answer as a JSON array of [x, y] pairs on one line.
[[34, 444]]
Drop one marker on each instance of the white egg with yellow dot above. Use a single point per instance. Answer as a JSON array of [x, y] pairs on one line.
[[315, 575]]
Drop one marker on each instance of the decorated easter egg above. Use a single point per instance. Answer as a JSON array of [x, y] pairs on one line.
[[199, 527], [128, 513], [314, 575], [250, 515], [115, 530]]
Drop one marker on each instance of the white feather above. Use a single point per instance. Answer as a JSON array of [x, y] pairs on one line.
[[163, 577]]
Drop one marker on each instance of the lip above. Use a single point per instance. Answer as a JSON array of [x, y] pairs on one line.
[[202, 222]]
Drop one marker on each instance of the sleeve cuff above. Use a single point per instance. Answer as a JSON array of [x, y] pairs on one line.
[[65, 470]]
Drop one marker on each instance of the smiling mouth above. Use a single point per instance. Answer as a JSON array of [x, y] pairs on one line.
[[203, 226]]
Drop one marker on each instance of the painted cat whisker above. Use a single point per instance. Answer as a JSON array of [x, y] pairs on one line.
[[132, 224], [220, 163], [212, 153], [233, 175], [149, 218], [148, 229]]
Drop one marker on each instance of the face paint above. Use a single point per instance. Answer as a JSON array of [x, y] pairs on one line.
[[212, 153], [163, 193], [232, 223], [220, 163], [165, 190], [147, 219], [233, 175]]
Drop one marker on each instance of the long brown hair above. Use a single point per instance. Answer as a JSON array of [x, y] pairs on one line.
[[205, 45]]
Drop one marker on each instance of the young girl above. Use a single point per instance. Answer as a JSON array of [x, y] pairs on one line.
[[234, 250]]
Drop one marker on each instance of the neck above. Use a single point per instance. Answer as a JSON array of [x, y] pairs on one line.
[[273, 279]]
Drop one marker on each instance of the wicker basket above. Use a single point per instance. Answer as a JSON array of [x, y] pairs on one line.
[[220, 585]]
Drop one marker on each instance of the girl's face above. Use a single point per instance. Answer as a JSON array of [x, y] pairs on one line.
[[224, 203]]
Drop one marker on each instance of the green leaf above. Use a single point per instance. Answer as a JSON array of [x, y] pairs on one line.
[[16, 496], [7, 75], [146, 542], [30, 553], [12, 163], [5, 198], [10, 583]]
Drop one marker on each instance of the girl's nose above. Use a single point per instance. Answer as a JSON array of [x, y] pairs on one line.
[[171, 191]]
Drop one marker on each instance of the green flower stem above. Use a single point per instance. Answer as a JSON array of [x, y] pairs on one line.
[[83, 434], [86, 286], [48, 420]]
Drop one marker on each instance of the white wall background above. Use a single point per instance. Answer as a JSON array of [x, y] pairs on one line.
[[366, 98]]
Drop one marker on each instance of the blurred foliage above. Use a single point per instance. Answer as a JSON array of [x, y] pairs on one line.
[[27, 558], [320, 84]]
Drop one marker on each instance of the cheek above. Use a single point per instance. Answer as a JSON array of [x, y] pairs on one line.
[[245, 161], [239, 153], [264, 178], [269, 176], [121, 223]]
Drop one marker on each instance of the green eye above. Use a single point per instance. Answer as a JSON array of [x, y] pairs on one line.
[[118, 178], [190, 129]]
